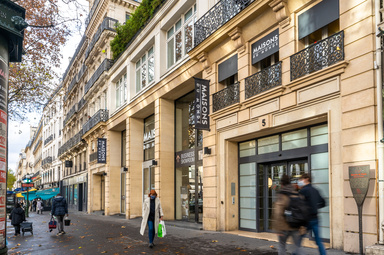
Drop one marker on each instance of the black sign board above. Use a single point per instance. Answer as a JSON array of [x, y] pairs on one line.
[[359, 182], [101, 150], [201, 104], [68, 163], [265, 47]]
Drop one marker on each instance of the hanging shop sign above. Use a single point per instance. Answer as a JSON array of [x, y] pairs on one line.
[[68, 163], [101, 150], [187, 157], [265, 47], [201, 104]]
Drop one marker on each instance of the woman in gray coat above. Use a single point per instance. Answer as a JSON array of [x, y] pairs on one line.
[[152, 214]]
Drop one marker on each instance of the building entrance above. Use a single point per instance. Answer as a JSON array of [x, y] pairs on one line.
[[263, 161]]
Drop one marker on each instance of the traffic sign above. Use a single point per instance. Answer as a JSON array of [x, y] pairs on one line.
[[27, 185]]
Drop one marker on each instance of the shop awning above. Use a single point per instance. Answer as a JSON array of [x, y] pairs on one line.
[[47, 193], [31, 194], [19, 195]]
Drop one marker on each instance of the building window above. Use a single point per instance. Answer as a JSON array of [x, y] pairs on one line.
[[127, 17], [121, 91], [320, 34], [145, 70], [180, 37]]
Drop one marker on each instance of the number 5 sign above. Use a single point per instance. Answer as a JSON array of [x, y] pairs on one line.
[[264, 121]]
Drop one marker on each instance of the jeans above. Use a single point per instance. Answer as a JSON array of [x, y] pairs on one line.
[[60, 221], [314, 226], [151, 231], [296, 240], [17, 229]]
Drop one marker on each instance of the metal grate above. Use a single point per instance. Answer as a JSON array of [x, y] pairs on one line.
[[226, 97]]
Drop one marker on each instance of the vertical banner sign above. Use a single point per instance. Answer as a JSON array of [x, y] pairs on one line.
[[201, 104], [3, 147], [101, 150], [359, 182]]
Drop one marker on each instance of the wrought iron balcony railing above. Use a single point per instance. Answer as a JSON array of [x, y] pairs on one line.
[[47, 160], [264, 80], [93, 157], [226, 97], [104, 66], [70, 143], [50, 138], [37, 144], [70, 113], [75, 54], [71, 86], [321, 54], [81, 72], [100, 116], [81, 103], [107, 24], [216, 17], [89, 17]]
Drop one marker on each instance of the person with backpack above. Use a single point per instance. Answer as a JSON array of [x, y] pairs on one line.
[[314, 201], [284, 222]]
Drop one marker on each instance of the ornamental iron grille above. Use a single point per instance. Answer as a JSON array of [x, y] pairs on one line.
[[226, 97], [264, 80], [70, 143], [104, 66], [216, 17], [319, 55], [81, 103], [70, 113], [93, 157], [47, 160], [100, 116], [50, 138]]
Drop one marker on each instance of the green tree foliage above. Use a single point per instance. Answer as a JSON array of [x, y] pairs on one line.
[[139, 18], [11, 179]]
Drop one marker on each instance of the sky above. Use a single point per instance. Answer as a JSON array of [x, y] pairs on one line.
[[19, 132]]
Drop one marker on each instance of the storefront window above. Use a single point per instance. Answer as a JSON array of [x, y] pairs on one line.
[[189, 178], [149, 138]]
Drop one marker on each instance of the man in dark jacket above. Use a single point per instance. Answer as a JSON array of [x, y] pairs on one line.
[[17, 216], [59, 209], [315, 201]]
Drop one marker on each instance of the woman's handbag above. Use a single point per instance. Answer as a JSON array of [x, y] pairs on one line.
[[67, 221], [161, 231], [52, 224]]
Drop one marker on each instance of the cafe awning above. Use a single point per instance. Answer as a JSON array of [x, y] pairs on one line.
[[47, 193]]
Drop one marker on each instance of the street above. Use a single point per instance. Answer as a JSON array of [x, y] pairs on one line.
[[97, 234]]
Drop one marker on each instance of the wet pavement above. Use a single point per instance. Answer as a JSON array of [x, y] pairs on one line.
[[97, 234]]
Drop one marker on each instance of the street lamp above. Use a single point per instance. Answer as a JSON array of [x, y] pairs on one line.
[[27, 182]]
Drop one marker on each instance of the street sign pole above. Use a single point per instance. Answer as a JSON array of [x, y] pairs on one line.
[[26, 211]]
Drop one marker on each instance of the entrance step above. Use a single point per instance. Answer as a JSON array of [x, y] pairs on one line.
[[374, 250]]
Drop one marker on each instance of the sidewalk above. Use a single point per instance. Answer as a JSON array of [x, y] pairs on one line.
[[96, 234]]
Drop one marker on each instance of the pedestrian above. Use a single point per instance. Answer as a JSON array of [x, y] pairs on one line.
[[314, 201], [34, 205], [152, 214], [17, 216], [39, 206], [59, 209], [280, 225]]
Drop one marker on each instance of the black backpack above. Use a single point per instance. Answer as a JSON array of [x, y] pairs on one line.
[[297, 212]]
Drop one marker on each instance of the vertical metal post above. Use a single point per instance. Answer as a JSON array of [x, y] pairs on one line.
[[27, 210], [360, 213], [196, 178]]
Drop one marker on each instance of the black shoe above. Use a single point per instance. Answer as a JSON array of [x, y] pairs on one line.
[[150, 245]]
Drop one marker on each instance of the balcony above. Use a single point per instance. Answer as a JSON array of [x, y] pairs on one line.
[[320, 55], [93, 157], [100, 116], [216, 17], [47, 160], [104, 66], [107, 24], [226, 97], [49, 139], [262, 81], [70, 143], [71, 86], [81, 72], [81, 103], [94, 6], [37, 144], [70, 113], [83, 39]]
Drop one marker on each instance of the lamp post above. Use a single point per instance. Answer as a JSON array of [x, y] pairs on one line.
[[12, 25]]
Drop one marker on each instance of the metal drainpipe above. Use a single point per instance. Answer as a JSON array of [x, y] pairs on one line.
[[380, 145]]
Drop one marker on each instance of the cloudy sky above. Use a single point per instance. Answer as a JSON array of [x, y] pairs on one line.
[[19, 132]]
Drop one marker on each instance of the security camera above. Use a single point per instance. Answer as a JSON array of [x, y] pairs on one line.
[[379, 32]]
